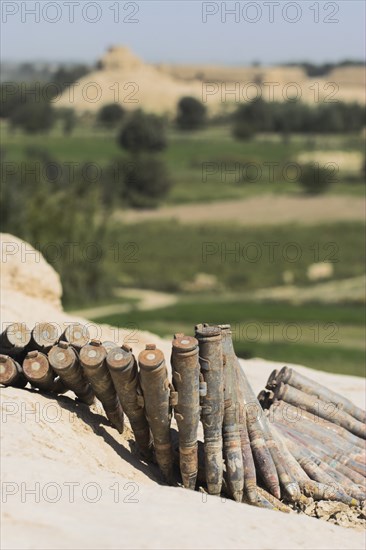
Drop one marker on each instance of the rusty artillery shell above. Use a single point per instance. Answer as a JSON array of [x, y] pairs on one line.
[[157, 390], [14, 340], [231, 434], [316, 406], [265, 398], [311, 488], [272, 380], [77, 335], [186, 381], [261, 501], [266, 453], [326, 443], [123, 369], [108, 345], [311, 387], [304, 458], [92, 359], [341, 473], [39, 373], [250, 477], [281, 409], [44, 336], [212, 412], [274, 501], [64, 361], [11, 373]]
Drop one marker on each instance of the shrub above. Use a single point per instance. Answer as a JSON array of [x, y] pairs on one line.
[[146, 182], [143, 132], [111, 115], [191, 114], [315, 179]]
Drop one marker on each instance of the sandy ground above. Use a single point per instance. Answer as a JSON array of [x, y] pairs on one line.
[[265, 210], [70, 481]]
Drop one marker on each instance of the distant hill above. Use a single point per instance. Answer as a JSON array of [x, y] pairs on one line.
[[123, 78]]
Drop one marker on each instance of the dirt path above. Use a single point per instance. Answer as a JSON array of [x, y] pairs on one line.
[[146, 299], [264, 210]]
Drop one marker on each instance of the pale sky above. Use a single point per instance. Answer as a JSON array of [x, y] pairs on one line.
[[187, 31]]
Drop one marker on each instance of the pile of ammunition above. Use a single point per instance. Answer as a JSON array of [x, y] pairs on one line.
[[297, 440]]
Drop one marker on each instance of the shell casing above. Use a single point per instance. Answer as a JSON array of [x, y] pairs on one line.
[[231, 433], [44, 336], [77, 335], [64, 361], [280, 410], [311, 488], [14, 341], [108, 345], [39, 373], [274, 501], [340, 472], [260, 501], [156, 390], [311, 387], [321, 408], [327, 444], [212, 411], [250, 477], [186, 381], [272, 380], [305, 458], [123, 369], [11, 373], [92, 359], [264, 450]]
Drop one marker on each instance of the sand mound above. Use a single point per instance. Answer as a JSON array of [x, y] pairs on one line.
[[123, 78], [69, 480]]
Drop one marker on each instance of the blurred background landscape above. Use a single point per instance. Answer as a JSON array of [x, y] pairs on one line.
[[167, 191]]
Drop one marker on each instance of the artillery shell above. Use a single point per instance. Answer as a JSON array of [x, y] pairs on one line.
[[122, 366], [92, 359], [44, 336], [156, 390], [260, 436], [37, 370], [304, 458], [311, 387], [186, 381], [274, 501], [290, 413], [14, 340], [65, 363], [316, 406], [11, 373], [231, 434], [212, 412], [77, 335], [108, 345], [272, 380]]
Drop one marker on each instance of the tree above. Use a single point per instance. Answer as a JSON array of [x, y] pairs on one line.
[[111, 115], [191, 114], [33, 117], [68, 118], [143, 132], [146, 182], [316, 179], [250, 118]]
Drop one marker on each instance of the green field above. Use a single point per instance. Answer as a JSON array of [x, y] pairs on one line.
[[206, 165], [165, 256]]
